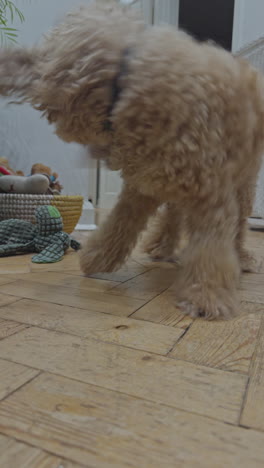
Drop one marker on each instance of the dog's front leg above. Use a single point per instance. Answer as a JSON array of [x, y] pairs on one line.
[[107, 249]]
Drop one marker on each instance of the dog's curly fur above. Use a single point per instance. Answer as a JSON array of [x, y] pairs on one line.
[[187, 131]]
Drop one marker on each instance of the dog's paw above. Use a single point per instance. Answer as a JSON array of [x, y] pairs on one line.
[[249, 263], [160, 252], [95, 259], [161, 257], [207, 302]]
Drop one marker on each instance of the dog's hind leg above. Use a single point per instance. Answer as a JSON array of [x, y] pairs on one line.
[[207, 282], [109, 247], [164, 234]]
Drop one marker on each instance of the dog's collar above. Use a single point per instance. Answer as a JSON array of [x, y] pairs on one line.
[[116, 87]]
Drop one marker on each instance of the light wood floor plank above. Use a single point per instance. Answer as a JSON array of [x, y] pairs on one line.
[[5, 299], [70, 264], [251, 288], [17, 264], [130, 270], [83, 299], [253, 414], [226, 345], [148, 285], [162, 310], [69, 464], [100, 428], [6, 279], [13, 376], [15, 454], [109, 328], [9, 327], [211, 392], [105, 372], [68, 281]]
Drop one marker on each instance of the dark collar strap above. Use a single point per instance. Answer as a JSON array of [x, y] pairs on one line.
[[116, 88]]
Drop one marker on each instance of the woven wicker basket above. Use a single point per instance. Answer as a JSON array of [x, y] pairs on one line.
[[20, 206]]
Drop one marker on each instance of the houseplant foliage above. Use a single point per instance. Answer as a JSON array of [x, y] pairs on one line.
[[8, 12]]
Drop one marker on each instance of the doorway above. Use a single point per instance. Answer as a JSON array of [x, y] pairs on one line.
[[208, 19]]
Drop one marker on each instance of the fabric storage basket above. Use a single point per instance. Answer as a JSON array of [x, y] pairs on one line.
[[23, 206], [254, 54]]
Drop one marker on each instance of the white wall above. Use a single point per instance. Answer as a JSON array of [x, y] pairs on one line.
[[248, 27], [26, 138], [248, 22], [166, 12]]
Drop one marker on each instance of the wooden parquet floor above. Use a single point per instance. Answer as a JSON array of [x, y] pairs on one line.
[[104, 372]]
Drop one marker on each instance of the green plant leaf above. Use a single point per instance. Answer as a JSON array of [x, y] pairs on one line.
[[9, 29], [9, 35], [8, 12]]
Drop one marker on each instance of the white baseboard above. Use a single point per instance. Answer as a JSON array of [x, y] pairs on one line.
[[256, 222], [86, 227], [87, 220]]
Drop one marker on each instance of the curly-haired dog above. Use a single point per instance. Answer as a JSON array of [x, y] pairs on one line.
[[183, 121]]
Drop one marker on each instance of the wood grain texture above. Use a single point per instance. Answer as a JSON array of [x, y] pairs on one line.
[[148, 285], [17, 264], [5, 299], [4, 279], [251, 288], [15, 454], [226, 345], [69, 464], [109, 328], [253, 413], [68, 281], [162, 310], [105, 372], [13, 376], [130, 270], [101, 428], [83, 299], [171, 382], [9, 327]]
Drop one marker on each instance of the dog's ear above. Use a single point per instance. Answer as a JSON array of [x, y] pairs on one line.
[[18, 72]]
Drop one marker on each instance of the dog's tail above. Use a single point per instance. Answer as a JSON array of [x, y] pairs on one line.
[[18, 72]]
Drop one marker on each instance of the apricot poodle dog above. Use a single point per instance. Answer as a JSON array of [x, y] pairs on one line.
[[183, 121]]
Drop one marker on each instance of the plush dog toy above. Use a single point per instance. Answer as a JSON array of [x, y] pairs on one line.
[[36, 184], [15, 182], [46, 237], [42, 180]]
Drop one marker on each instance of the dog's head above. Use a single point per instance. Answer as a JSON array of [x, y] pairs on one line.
[[69, 77]]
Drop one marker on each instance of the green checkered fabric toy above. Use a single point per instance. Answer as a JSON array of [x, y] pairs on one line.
[[46, 237]]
